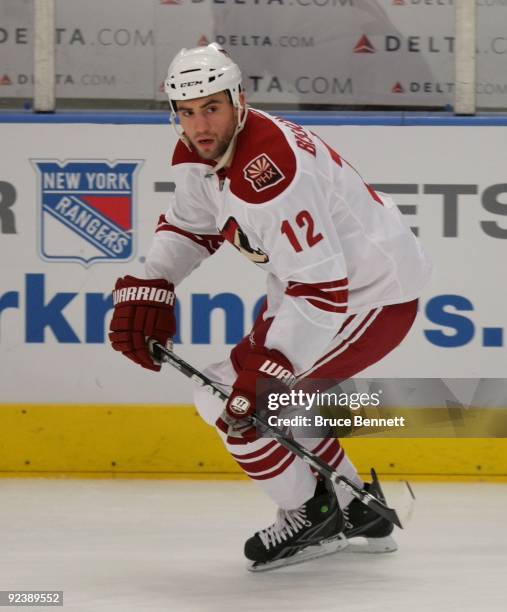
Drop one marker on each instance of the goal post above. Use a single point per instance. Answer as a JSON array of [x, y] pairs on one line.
[[44, 94]]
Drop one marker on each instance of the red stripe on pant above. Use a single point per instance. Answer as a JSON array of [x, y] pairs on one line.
[[380, 337], [349, 340], [273, 464]]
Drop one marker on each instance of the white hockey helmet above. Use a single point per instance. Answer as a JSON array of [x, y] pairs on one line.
[[202, 71]]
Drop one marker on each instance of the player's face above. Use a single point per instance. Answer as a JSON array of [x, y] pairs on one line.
[[208, 123]]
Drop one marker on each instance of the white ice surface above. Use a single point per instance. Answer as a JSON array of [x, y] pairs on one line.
[[132, 545]]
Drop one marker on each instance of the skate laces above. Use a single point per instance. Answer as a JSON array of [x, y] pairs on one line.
[[287, 524]]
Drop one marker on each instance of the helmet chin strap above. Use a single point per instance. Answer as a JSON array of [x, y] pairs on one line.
[[224, 160], [179, 132]]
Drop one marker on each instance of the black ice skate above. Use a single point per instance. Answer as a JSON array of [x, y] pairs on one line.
[[365, 529], [312, 530]]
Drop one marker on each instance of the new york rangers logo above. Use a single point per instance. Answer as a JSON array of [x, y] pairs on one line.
[[86, 210], [262, 172]]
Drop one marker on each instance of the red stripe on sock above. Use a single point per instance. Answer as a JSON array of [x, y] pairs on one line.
[[338, 459], [257, 452], [276, 472], [266, 463], [320, 446], [330, 452]]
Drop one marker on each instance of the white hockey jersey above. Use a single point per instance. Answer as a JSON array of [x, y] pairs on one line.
[[330, 244]]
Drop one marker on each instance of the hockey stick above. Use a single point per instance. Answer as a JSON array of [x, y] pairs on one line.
[[165, 355]]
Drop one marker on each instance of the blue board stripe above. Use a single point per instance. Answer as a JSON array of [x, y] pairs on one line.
[[302, 117]]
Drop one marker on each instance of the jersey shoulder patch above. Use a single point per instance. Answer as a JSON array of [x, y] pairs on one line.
[[264, 163], [183, 155]]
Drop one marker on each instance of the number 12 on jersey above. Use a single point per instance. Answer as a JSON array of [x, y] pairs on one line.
[[303, 219]]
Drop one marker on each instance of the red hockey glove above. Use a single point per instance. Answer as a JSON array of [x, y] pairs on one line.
[[143, 308], [260, 363], [238, 431]]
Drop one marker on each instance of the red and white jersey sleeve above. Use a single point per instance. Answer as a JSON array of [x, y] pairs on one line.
[[187, 233]]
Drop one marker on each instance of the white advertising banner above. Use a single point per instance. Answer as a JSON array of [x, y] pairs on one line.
[[367, 52], [78, 206]]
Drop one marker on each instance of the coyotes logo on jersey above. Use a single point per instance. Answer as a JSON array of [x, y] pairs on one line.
[[262, 172], [237, 237]]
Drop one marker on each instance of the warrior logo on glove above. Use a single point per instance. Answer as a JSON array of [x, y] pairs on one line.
[[278, 371], [143, 310], [143, 293], [240, 405]]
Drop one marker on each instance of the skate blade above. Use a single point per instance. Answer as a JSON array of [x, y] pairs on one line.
[[372, 545], [322, 549]]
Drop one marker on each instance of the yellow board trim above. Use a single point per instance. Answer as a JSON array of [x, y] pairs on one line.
[[152, 441]]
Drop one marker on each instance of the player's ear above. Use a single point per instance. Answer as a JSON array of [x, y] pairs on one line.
[[242, 98]]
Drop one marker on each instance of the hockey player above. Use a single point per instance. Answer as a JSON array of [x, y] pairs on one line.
[[344, 273]]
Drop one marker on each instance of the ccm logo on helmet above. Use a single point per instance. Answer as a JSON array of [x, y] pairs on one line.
[[190, 83], [139, 294], [277, 371]]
